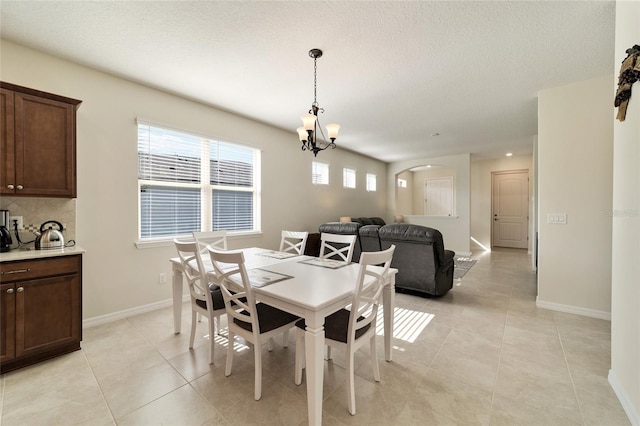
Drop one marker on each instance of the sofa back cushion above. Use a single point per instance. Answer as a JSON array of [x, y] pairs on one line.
[[369, 238], [414, 234]]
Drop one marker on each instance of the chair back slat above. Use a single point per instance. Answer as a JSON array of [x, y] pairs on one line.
[[216, 239], [293, 241], [230, 274], [337, 246], [366, 299], [192, 265]]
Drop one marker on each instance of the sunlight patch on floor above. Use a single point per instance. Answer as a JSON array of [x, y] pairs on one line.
[[407, 324]]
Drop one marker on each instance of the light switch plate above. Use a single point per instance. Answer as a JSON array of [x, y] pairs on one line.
[[557, 218]]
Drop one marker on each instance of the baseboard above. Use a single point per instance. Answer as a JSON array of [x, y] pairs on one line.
[[629, 410], [115, 316], [573, 310], [463, 253]]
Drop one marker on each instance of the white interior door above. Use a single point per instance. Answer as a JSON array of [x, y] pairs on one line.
[[510, 200]]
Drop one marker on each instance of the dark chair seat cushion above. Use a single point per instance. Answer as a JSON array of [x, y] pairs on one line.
[[216, 294], [336, 326], [269, 318]]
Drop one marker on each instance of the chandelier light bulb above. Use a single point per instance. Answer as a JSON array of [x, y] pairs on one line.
[[308, 121], [332, 131], [302, 134]]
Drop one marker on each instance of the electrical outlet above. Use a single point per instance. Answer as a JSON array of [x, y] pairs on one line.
[[18, 219], [162, 278]]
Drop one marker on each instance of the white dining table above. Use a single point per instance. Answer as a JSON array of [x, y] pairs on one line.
[[312, 292]]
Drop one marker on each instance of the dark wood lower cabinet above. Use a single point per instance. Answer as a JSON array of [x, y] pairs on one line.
[[41, 303]]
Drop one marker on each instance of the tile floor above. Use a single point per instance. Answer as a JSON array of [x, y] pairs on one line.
[[482, 354]]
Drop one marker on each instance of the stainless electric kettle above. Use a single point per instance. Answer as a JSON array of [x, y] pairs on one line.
[[49, 238]]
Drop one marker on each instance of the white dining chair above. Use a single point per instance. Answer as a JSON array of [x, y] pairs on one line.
[[294, 242], [351, 329], [337, 246], [257, 323], [206, 299], [217, 239]]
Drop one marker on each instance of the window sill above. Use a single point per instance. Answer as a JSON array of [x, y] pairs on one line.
[[168, 241]]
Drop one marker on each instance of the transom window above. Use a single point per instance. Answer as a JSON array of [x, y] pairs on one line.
[[348, 178], [190, 183], [371, 182], [319, 173]]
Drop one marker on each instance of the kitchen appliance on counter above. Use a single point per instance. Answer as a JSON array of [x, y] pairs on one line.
[[50, 238], [5, 235]]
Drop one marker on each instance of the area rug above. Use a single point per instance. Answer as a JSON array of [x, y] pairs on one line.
[[462, 266]]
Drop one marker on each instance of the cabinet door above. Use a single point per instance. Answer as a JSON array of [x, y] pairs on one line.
[[45, 146], [50, 310], [7, 322], [7, 149]]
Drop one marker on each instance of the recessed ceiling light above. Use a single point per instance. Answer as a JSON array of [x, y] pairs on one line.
[[428, 166], [509, 154]]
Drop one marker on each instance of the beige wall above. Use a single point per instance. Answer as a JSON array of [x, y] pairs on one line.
[[117, 275], [481, 220], [575, 154], [625, 279], [404, 196]]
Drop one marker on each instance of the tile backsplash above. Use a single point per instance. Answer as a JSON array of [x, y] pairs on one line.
[[36, 210]]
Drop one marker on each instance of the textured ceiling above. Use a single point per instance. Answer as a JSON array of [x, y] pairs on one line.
[[392, 74]]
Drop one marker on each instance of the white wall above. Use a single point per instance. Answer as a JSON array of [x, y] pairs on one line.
[[456, 230], [575, 154], [117, 275], [625, 279], [481, 219]]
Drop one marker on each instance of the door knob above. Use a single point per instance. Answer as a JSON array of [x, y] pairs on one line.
[[10, 290], [20, 289], [20, 186], [10, 186]]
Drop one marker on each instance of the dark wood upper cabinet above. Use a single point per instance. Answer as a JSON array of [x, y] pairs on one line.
[[38, 143]]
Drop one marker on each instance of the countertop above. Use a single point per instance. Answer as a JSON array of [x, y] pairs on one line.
[[21, 254]]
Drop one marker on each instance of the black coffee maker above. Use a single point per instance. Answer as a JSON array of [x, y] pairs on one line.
[[5, 235]]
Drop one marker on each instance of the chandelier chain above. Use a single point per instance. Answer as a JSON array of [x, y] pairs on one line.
[[315, 81]]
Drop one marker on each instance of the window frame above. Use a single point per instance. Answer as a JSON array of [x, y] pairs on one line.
[[205, 186], [349, 176], [372, 177], [324, 173]]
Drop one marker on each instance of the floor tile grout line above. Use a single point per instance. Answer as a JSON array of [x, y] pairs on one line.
[[504, 333], [566, 361], [102, 395]]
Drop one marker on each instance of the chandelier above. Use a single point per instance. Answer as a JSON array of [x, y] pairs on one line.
[[308, 133]]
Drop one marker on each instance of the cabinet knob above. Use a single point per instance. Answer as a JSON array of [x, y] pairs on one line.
[[10, 186], [20, 187], [20, 289], [10, 290]]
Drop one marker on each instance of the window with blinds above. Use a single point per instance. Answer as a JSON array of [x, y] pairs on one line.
[[188, 183], [319, 173], [348, 178]]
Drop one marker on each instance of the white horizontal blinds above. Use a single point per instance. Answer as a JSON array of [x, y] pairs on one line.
[[371, 182], [319, 173], [167, 211], [232, 210], [169, 175], [188, 183], [348, 178], [232, 178]]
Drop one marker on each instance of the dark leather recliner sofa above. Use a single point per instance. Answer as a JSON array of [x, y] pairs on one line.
[[424, 266], [422, 262]]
